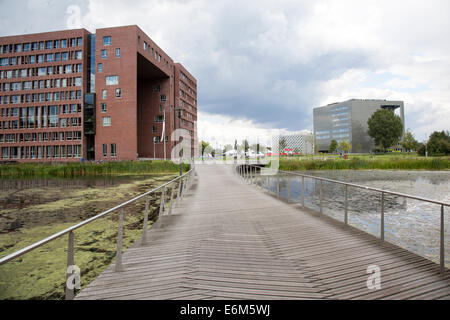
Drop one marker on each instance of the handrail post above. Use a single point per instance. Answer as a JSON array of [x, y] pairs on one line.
[[303, 192], [278, 186], [70, 262], [346, 206], [289, 190], [382, 218], [119, 266], [161, 206], [180, 184], [442, 251], [321, 196], [251, 175], [144, 231], [171, 198]]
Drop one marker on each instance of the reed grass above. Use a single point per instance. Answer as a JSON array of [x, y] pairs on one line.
[[355, 163], [72, 170]]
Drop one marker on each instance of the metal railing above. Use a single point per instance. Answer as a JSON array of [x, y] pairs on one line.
[[184, 181], [248, 173]]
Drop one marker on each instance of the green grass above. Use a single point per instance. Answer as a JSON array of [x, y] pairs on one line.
[[71, 170], [366, 163]]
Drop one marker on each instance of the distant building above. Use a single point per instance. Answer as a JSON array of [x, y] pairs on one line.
[[297, 142], [348, 121]]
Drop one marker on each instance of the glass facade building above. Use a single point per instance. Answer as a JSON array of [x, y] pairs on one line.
[[348, 121]]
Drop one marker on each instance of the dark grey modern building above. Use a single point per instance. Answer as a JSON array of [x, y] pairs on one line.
[[348, 121]]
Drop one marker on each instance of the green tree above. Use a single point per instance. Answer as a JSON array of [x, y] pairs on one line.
[[204, 146], [385, 128], [282, 144], [333, 146], [345, 146], [409, 142], [439, 143], [245, 145]]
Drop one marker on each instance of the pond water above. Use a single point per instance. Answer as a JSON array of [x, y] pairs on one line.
[[26, 203], [411, 224]]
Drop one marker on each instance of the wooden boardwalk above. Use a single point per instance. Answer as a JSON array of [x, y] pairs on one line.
[[229, 240]]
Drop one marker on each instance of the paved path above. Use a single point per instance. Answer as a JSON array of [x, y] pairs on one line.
[[229, 240]]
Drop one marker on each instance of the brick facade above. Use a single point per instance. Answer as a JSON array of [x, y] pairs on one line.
[[136, 85]]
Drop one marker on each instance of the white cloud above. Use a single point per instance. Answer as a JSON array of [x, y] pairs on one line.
[[266, 64]]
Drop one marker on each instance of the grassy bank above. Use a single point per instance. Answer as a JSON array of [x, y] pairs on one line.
[[356, 163], [72, 170]]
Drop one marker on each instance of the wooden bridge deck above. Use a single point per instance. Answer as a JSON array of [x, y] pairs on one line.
[[229, 240]]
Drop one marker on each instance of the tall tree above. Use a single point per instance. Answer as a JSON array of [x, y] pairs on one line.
[[235, 144], [245, 145], [438, 144], [204, 146], [385, 128], [409, 142], [333, 146]]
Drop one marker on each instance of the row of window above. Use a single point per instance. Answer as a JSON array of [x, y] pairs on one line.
[[118, 93], [344, 135], [154, 53], [40, 84], [186, 79], [41, 71], [40, 136], [63, 109], [41, 45], [31, 122], [42, 152], [41, 58], [187, 88], [112, 149], [340, 108], [41, 97], [105, 53]]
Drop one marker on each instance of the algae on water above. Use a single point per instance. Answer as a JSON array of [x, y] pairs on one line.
[[40, 274]]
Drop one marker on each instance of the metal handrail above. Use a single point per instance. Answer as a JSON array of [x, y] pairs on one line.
[[182, 189], [248, 174]]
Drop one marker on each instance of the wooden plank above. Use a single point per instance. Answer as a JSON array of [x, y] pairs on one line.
[[229, 240]]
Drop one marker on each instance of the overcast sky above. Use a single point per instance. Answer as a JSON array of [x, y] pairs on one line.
[[266, 64]]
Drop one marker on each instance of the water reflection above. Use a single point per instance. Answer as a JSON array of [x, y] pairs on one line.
[[409, 223]]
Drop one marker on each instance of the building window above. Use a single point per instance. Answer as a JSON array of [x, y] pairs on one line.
[[107, 41], [104, 55], [163, 98], [105, 151], [118, 93], [100, 67], [156, 88], [154, 129], [112, 80], [64, 43], [79, 42], [106, 121], [113, 150], [118, 52], [104, 94], [103, 107], [159, 118]]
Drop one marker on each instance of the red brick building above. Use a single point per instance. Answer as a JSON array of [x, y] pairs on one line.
[[69, 95]]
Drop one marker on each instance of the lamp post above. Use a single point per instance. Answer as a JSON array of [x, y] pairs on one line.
[[178, 110]]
